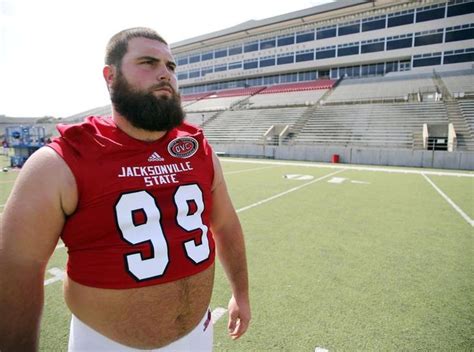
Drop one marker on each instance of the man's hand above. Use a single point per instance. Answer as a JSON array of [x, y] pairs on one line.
[[239, 317]]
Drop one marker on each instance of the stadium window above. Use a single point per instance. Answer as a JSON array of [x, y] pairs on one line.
[[183, 75], [334, 72], [373, 23], [369, 70], [287, 40], [267, 43], [289, 77], [253, 46], [254, 82], [325, 53], [284, 59], [187, 90], [356, 71], [429, 61], [391, 66], [399, 42], [250, 64], [194, 58], [220, 68], [371, 46], [235, 50], [429, 37], [457, 56], [343, 72], [307, 76], [460, 8], [182, 61], [400, 18], [267, 61], [348, 49], [348, 28], [326, 32], [235, 65], [220, 53], [430, 13], [271, 80], [207, 56], [194, 74], [380, 68], [206, 70], [304, 55], [304, 36], [457, 33], [405, 65]]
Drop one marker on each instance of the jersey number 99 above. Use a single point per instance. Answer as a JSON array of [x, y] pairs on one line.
[[152, 231]]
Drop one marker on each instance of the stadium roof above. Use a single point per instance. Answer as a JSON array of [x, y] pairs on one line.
[[252, 24]]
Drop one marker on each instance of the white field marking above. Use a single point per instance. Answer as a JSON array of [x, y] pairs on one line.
[[320, 349], [349, 167], [254, 169], [337, 180], [286, 192], [61, 245], [361, 182], [217, 314], [454, 205], [58, 275], [298, 177]]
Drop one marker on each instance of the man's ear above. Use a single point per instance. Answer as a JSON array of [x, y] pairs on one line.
[[109, 75]]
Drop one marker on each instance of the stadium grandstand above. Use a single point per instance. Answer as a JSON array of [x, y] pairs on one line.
[[373, 82]]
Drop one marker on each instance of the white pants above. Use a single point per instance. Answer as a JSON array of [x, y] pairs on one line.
[[82, 338]]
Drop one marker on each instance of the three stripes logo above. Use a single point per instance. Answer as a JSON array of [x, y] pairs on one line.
[[155, 157]]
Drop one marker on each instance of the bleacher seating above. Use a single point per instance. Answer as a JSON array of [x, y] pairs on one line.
[[249, 126], [467, 110], [459, 83], [305, 93], [390, 125], [198, 119], [222, 100], [394, 87]]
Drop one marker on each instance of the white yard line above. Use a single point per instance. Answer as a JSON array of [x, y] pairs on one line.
[[286, 192], [454, 205], [349, 167], [217, 313], [58, 275]]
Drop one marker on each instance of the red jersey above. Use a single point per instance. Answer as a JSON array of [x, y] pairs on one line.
[[143, 209]]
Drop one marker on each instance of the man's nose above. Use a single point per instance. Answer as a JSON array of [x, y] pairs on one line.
[[163, 73]]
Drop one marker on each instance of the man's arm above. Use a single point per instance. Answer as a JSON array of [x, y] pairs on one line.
[[230, 245], [29, 230]]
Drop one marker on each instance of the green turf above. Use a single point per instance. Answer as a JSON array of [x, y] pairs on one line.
[[379, 262]]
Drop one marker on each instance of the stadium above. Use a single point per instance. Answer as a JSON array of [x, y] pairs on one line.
[[362, 82], [346, 135]]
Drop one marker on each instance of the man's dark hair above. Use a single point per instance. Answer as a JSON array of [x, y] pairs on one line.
[[118, 45]]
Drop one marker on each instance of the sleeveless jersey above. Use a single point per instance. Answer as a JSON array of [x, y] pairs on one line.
[[143, 212]]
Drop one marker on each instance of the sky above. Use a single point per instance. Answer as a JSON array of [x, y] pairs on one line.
[[52, 51]]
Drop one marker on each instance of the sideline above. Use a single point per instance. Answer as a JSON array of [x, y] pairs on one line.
[[395, 169], [454, 205]]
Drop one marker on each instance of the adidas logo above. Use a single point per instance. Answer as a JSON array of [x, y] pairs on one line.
[[155, 157]]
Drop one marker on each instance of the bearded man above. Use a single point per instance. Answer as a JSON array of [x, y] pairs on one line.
[[140, 201]]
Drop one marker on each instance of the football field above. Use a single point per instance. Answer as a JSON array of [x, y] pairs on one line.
[[341, 258]]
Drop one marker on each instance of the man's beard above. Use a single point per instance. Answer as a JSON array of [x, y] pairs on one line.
[[143, 109]]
